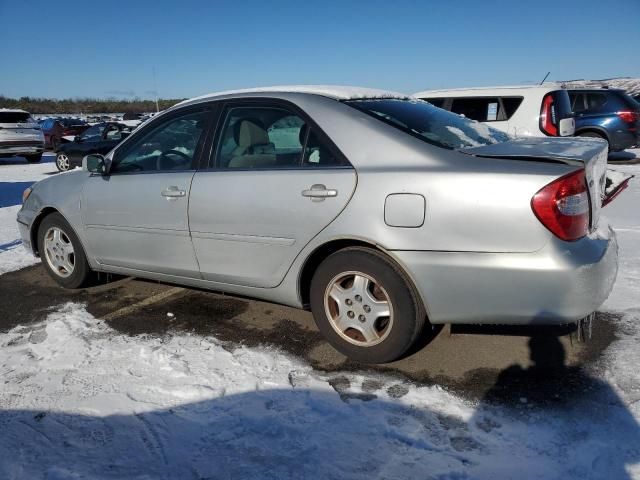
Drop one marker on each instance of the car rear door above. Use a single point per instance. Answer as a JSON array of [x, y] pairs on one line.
[[136, 217], [272, 183]]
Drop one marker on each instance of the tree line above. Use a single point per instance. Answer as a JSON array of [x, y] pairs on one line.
[[85, 105]]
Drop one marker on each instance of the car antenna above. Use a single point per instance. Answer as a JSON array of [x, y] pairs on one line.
[[545, 77]]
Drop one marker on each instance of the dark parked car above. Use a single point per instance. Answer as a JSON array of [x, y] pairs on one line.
[[101, 138], [607, 113], [55, 129]]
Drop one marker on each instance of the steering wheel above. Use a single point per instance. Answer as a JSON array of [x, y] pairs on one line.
[[165, 155]]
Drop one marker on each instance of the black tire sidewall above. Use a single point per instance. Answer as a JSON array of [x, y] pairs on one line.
[[408, 319], [81, 272]]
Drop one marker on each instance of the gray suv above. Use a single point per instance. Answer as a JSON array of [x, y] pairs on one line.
[[20, 135]]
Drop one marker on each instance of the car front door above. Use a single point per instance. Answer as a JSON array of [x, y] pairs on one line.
[[136, 216], [274, 182]]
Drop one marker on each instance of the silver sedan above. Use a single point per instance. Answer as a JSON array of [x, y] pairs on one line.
[[379, 213]]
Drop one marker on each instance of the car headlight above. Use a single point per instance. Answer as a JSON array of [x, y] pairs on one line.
[[26, 193]]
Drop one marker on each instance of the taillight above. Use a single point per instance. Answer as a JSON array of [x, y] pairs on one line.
[[563, 206], [548, 121], [629, 116]]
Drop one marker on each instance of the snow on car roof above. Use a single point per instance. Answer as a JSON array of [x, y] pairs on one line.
[[13, 110], [337, 92], [544, 86]]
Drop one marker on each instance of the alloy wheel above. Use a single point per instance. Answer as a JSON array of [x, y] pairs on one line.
[[62, 162], [358, 308], [59, 252]]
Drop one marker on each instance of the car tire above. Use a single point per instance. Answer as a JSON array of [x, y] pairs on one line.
[[365, 306], [63, 163], [34, 158], [62, 253]]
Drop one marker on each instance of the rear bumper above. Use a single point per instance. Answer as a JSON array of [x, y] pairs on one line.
[[21, 147], [561, 283]]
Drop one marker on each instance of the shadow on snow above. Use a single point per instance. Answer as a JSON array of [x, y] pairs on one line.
[[303, 433]]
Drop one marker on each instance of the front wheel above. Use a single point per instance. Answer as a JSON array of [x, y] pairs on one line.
[[62, 162], [62, 254], [365, 306]]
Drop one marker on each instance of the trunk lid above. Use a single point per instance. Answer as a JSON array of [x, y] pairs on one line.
[[587, 153]]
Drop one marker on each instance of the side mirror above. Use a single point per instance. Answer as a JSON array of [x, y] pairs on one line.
[[95, 163], [77, 139]]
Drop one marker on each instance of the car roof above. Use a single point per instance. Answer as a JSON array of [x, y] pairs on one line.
[[477, 90], [337, 92], [13, 110]]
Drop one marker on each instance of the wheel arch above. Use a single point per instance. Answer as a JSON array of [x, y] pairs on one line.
[[317, 256], [35, 226], [593, 129]]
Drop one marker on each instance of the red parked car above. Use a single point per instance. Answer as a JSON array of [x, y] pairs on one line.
[[56, 128]]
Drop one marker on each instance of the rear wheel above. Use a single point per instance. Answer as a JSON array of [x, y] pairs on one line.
[[34, 158], [595, 135], [62, 254], [365, 306], [62, 162]]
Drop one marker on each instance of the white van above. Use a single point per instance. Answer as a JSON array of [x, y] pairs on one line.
[[20, 135], [537, 110]]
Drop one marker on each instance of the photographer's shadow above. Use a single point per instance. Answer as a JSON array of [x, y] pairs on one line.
[[567, 398]]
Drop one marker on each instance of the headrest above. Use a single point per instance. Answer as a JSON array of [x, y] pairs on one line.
[[250, 132]]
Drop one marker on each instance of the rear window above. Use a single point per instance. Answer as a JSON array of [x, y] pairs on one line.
[[15, 117], [561, 105], [430, 124], [436, 102]]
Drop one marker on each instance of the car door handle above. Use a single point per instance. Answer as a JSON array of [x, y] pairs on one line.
[[319, 192], [173, 192]]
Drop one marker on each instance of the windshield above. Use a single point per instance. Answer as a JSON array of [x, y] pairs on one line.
[[433, 125], [93, 133]]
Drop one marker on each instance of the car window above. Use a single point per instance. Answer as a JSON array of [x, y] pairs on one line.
[[595, 101], [511, 105], [436, 102], [113, 133], [260, 137], [170, 145], [486, 109], [15, 117], [318, 154], [92, 134], [430, 124], [577, 102]]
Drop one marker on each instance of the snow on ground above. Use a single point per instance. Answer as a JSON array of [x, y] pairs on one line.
[[16, 175], [79, 400]]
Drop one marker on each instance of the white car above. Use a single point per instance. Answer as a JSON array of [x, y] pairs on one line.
[[520, 111], [20, 135]]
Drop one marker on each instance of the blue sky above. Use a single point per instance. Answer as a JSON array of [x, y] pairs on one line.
[[109, 49]]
